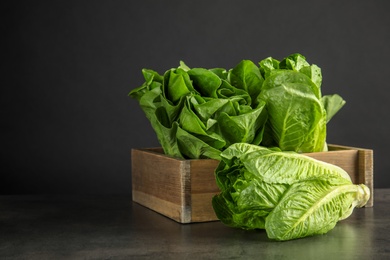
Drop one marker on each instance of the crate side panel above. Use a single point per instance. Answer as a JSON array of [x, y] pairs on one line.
[[203, 188], [158, 176], [202, 208], [164, 207], [202, 176]]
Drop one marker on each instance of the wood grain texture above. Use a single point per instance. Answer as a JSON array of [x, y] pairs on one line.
[[164, 179], [202, 176], [202, 209], [165, 207], [182, 189], [366, 172]]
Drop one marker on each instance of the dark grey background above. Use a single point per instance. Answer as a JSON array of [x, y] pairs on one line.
[[67, 124]]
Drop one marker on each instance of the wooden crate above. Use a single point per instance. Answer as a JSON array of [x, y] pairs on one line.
[[182, 189]]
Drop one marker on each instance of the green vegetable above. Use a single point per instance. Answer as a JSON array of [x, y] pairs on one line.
[[297, 117], [288, 194], [198, 112]]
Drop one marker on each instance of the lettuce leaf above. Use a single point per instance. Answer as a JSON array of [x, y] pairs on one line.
[[297, 117], [332, 104], [313, 207]]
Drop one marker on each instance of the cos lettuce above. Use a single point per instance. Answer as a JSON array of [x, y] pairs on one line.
[[198, 112], [287, 194]]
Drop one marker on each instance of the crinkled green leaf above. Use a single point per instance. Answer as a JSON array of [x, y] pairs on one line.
[[193, 147], [246, 203], [190, 122], [244, 127], [275, 166], [267, 66], [205, 81], [314, 73], [280, 78], [294, 62], [152, 80], [246, 75], [176, 85], [227, 91], [312, 207], [296, 116], [289, 167], [207, 109], [220, 72]]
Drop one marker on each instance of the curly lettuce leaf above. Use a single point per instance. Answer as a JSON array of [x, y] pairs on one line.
[[267, 66], [245, 127], [246, 75]]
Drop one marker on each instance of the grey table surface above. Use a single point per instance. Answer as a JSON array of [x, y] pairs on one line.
[[114, 227]]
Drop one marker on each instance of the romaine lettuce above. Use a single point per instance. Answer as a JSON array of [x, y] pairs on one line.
[[197, 112], [288, 194]]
